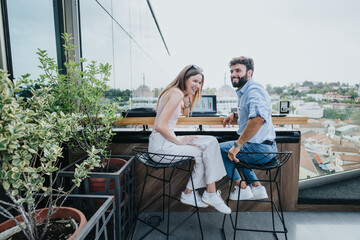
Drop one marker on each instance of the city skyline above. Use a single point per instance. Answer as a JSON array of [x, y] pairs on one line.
[[289, 41]]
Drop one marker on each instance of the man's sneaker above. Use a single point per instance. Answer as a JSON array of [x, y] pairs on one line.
[[259, 192], [245, 194], [216, 201], [189, 199]]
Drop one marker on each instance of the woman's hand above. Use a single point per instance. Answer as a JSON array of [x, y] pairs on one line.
[[187, 140]]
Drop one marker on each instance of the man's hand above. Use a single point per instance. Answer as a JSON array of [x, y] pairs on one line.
[[228, 119], [233, 152]]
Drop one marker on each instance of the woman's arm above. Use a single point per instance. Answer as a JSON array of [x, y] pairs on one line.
[[172, 100]]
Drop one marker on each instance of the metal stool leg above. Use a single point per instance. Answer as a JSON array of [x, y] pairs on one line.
[[237, 209], [281, 211], [139, 205], [275, 161], [154, 161], [272, 204], [197, 208]]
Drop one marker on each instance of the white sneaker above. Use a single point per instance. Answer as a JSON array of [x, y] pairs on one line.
[[245, 194], [259, 192], [216, 201], [189, 199]]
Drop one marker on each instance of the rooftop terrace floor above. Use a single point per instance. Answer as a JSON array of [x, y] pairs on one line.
[[301, 226]]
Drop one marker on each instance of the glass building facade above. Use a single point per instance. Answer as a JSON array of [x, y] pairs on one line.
[[123, 33]]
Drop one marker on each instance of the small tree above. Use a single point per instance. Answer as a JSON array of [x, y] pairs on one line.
[[81, 89], [31, 134]]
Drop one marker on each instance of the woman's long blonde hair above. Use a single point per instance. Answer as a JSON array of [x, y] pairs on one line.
[[180, 80]]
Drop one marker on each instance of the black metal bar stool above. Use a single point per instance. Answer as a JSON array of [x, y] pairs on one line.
[[277, 159], [157, 162]]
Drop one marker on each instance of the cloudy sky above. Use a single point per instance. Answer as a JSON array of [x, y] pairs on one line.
[[290, 41]]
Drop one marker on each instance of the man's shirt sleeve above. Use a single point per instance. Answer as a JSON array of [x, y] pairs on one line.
[[257, 104]]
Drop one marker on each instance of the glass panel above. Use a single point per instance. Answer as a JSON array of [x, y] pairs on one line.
[[96, 34], [30, 30], [105, 4], [135, 20], [121, 13], [122, 64], [136, 65], [136, 60]]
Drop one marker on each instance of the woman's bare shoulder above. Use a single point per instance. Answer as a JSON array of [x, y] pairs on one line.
[[174, 92]]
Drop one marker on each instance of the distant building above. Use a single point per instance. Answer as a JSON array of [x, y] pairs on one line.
[[226, 99], [336, 150], [144, 102], [345, 129], [297, 103], [335, 106], [347, 162], [143, 97], [312, 126], [303, 89], [327, 122], [142, 91], [332, 96], [317, 97], [353, 136], [307, 168], [310, 110]]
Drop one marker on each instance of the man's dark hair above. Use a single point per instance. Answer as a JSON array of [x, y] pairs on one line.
[[248, 62]]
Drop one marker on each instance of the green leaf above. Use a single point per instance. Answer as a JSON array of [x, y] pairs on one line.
[[2, 174], [32, 150], [6, 185], [3, 143], [15, 175], [14, 193]]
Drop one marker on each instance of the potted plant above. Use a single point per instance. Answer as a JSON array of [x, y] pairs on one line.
[[31, 134], [81, 89]]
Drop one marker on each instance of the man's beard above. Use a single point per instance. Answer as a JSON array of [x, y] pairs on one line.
[[240, 83]]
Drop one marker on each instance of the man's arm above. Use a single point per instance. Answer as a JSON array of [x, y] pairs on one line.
[[252, 127]]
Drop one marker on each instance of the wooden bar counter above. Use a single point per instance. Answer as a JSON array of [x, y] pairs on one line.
[[287, 120], [125, 140]]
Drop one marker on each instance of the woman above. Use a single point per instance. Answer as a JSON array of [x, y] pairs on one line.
[[178, 97]]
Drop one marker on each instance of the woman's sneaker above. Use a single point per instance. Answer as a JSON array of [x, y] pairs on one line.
[[189, 199], [245, 194], [216, 201], [259, 192]]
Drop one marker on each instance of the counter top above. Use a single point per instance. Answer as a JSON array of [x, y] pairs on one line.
[[288, 120]]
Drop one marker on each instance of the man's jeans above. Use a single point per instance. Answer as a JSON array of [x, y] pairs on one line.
[[250, 176]]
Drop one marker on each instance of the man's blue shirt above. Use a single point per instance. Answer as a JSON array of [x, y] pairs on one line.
[[253, 100]]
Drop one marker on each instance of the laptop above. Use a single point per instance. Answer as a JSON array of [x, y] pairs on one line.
[[206, 107]]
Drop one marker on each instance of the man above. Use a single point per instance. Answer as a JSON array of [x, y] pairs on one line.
[[257, 133]]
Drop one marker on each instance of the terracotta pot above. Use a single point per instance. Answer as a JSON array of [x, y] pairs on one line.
[[62, 213], [98, 184]]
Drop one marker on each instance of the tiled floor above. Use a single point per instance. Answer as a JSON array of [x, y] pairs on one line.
[[301, 226]]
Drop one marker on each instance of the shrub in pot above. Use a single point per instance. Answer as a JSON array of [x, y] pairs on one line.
[[81, 89], [31, 134]]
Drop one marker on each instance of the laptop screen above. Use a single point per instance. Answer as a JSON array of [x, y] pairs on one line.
[[205, 107]]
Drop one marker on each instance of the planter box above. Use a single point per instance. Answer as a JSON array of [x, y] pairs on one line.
[[99, 221], [124, 193]]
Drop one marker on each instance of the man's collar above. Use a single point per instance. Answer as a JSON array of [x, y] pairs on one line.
[[245, 87]]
